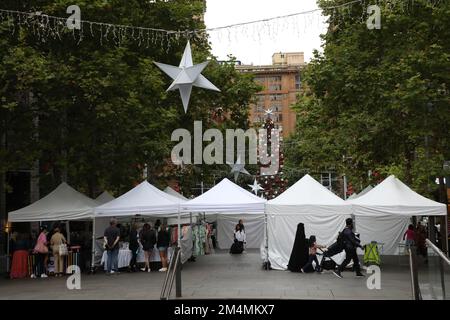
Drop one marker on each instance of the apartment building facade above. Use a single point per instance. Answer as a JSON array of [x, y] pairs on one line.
[[281, 83]]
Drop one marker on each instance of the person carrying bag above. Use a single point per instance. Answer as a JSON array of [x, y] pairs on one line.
[[59, 248]]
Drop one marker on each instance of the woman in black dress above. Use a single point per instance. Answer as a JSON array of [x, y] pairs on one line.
[[299, 255]]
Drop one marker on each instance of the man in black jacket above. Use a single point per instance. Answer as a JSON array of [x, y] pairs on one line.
[[351, 244]]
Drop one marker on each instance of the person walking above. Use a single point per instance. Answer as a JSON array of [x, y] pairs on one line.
[[147, 239], [56, 240], [420, 237], [351, 243], [111, 238], [41, 251], [163, 244], [313, 246], [134, 247], [409, 237]]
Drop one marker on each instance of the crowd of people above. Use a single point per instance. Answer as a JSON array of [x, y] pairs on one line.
[[22, 246], [145, 238]]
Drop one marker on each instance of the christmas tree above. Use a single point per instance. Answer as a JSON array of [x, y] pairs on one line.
[[271, 175]]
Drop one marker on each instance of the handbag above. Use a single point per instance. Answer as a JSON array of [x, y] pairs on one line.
[[41, 248], [63, 249]]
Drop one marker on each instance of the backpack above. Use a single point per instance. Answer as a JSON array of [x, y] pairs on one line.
[[341, 239]]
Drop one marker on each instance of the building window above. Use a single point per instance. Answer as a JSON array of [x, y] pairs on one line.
[[275, 87], [275, 79], [276, 97], [298, 82], [261, 80]]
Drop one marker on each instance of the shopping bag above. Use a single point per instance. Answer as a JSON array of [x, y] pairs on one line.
[[63, 249]]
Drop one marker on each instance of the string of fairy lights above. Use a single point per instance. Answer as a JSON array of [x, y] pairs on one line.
[[48, 27]]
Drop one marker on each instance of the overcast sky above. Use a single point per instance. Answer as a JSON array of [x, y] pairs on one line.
[[255, 43]]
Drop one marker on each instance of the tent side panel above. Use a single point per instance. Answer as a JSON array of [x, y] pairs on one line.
[[282, 230]]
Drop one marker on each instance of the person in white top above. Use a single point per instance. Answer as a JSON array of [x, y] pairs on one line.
[[239, 234], [239, 240]]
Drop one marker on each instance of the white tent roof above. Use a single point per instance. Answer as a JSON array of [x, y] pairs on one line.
[[172, 192], [393, 197], [226, 197], [63, 203], [144, 199], [104, 197], [363, 192], [307, 196]]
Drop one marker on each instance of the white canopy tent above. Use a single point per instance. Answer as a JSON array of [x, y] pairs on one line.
[[174, 193], [383, 214], [307, 201], [363, 192], [104, 197], [144, 199], [227, 202], [185, 218], [63, 203]]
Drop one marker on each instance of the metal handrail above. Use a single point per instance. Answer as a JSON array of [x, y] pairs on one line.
[[438, 251], [414, 276], [177, 258], [170, 275]]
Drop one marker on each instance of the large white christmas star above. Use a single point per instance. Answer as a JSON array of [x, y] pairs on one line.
[[238, 168], [187, 75], [255, 187]]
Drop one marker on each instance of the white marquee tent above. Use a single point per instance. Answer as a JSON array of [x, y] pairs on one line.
[[363, 192], [104, 197], [185, 218], [174, 193], [228, 203], [144, 199], [307, 201], [383, 214], [63, 203]]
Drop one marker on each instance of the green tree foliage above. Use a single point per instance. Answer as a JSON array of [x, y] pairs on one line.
[[378, 99], [95, 111]]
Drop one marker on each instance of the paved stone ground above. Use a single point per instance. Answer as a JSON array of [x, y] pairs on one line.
[[218, 276]]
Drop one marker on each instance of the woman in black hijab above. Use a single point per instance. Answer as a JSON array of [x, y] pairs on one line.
[[299, 255]]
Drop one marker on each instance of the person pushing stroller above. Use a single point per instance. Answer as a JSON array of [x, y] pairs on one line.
[[351, 243]]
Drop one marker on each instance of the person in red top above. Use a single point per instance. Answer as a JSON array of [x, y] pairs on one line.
[[409, 236]]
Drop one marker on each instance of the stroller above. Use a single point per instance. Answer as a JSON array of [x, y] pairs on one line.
[[327, 262]]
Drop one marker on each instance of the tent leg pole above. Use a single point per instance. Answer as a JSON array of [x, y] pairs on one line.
[[445, 238], [179, 229], [8, 259], [93, 247], [267, 242]]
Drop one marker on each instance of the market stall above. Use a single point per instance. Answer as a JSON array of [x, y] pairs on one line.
[[62, 204], [383, 214], [307, 201], [144, 203], [226, 203]]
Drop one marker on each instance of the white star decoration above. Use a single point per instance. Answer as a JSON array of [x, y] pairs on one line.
[[187, 75], [238, 168], [255, 187], [269, 112]]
